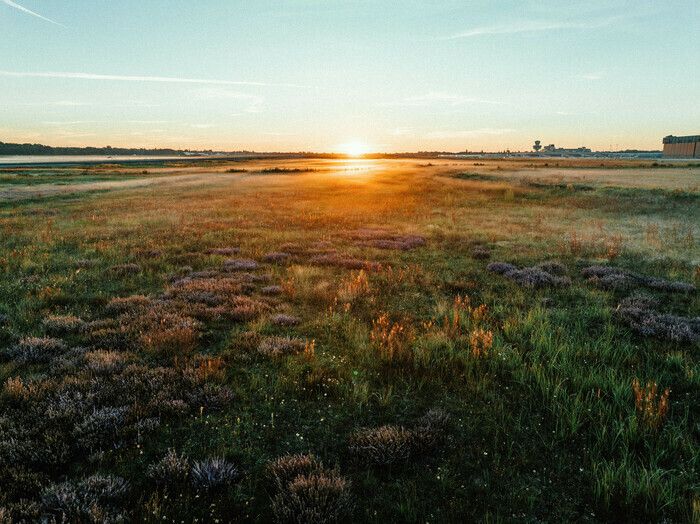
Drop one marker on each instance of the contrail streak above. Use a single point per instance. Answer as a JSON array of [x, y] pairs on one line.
[[128, 78], [29, 12]]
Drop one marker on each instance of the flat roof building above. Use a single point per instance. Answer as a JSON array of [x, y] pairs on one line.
[[682, 146]]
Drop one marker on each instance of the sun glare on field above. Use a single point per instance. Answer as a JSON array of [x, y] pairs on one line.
[[354, 149]]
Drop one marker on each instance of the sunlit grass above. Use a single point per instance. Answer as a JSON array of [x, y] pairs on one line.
[[136, 320]]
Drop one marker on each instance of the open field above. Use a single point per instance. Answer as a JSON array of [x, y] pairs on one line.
[[170, 335]]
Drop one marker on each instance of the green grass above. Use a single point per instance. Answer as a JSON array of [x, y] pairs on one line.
[[544, 428]]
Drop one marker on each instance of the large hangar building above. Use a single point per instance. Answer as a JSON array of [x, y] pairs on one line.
[[682, 146]]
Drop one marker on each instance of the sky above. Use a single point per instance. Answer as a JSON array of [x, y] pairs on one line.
[[315, 75]]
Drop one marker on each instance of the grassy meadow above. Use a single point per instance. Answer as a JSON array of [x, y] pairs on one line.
[[351, 341]]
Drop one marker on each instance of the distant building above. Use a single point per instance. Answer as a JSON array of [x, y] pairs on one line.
[[682, 146], [552, 150]]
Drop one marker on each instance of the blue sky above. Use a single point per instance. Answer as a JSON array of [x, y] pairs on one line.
[[314, 74]]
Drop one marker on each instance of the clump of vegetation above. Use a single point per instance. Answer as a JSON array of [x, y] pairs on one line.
[[480, 342], [383, 239], [240, 264], [224, 251], [536, 394], [35, 350], [287, 170], [280, 346], [95, 499], [214, 474], [392, 340], [481, 253], [534, 277], [62, 324], [390, 444], [286, 468], [651, 406], [553, 267], [639, 313], [500, 268], [271, 290], [609, 277], [282, 319], [384, 445], [307, 492], [342, 261], [130, 304], [171, 470], [277, 257], [125, 269]]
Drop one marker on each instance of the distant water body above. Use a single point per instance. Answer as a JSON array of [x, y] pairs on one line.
[[20, 160]]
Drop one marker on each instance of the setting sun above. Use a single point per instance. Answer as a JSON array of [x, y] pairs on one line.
[[354, 149]]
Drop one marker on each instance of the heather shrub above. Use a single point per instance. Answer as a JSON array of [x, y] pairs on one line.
[[533, 277], [552, 267], [342, 261], [210, 291], [481, 253], [638, 313], [125, 269], [130, 304], [282, 319], [95, 499], [35, 350], [84, 263], [431, 429], [104, 362], [390, 444], [100, 429], [317, 498], [172, 469], [500, 268], [536, 278], [608, 277], [226, 251], [242, 308], [382, 446], [205, 273], [62, 324], [271, 290], [161, 331], [276, 257], [285, 469], [383, 239], [213, 474], [280, 346], [240, 264]]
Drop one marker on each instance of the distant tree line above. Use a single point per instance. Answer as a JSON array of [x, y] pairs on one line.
[[40, 149]]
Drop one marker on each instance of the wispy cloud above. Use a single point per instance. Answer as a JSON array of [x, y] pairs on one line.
[[131, 78], [471, 133], [532, 26], [402, 131], [437, 98], [597, 75], [253, 103], [29, 12], [69, 123]]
